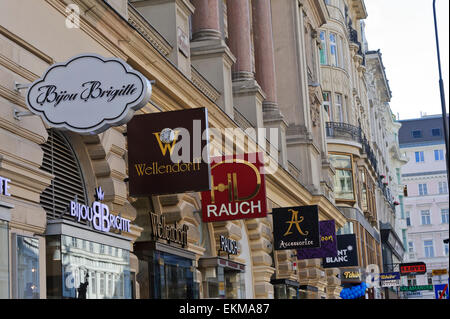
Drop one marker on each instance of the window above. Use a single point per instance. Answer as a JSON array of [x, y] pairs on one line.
[[412, 281], [430, 278], [4, 260], [420, 157], [438, 155], [445, 249], [27, 268], [416, 134], [426, 217], [343, 180], [341, 55], [408, 219], [333, 50], [102, 284], [323, 50], [444, 216], [327, 105], [423, 190], [411, 250], [428, 248], [436, 132], [443, 188], [339, 109]]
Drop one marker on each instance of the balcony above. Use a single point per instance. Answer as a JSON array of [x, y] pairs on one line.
[[349, 132]]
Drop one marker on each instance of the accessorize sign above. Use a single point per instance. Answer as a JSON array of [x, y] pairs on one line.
[[238, 189], [416, 288], [99, 215], [347, 253], [328, 243], [168, 152], [391, 279], [4, 186], [413, 268], [88, 94], [296, 227], [171, 233]]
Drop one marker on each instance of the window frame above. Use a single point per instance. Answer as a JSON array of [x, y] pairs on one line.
[[427, 216], [353, 176], [427, 247]]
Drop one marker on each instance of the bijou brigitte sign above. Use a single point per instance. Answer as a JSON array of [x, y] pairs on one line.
[[238, 189], [88, 94], [99, 215]]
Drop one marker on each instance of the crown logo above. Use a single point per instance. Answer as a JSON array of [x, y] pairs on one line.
[[99, 194]]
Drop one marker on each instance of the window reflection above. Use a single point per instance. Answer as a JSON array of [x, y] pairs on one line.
[[105, 270], [27, 267], [4, 260]]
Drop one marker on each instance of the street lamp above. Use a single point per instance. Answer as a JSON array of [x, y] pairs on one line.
[[441, 87]]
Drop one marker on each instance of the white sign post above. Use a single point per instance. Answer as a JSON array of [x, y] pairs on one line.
[[88, 94]]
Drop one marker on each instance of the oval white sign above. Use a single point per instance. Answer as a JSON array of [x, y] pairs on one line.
[[88, 94]]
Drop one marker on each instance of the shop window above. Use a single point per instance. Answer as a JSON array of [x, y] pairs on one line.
[[343, 180], [4, 260], [69, 269], [60, 160], [26, 268]]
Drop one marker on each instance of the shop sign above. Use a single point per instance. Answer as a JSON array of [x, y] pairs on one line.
[[296, 227], [439, 272], [441, 291], [328, 243], [168, 152], [416, 288], [351, 275], [390, 279], [413, 268], [171, 233], [99, 215], [228, 245], [4, 186], [88, 94], [238, 189], [347, 255]]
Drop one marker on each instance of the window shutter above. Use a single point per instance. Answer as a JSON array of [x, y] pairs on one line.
[[60, 161]]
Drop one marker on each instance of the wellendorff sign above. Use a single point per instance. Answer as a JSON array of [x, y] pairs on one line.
[[171, 233], [88, 94]]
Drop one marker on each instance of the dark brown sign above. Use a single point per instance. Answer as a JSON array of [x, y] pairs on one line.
[[171, 233], [168, 153]]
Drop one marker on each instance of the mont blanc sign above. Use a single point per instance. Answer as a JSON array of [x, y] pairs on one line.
[[88, 94]]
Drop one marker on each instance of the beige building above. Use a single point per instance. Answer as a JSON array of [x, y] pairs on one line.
[[252, 64]]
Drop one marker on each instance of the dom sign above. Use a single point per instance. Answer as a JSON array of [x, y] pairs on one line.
[[88, 94]]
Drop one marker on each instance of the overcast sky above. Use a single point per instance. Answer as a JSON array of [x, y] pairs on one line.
[[404, 31]]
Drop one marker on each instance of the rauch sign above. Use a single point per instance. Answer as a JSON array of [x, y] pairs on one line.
[[238, 189], [88, 94]]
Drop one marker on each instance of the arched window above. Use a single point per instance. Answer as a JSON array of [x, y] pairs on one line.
[[60, 161]]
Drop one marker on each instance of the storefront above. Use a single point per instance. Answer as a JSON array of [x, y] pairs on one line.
[[5, 217], [222, 278], [285, 289]]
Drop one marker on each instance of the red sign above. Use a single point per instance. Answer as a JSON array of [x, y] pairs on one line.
[[238, 189], [413, 268]]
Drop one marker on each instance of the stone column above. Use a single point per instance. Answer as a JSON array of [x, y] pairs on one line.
[[247, 94], [265, 71], [210, 55], [239, 40], [312, 275], [205, 20], [264, 54], [334, 287]]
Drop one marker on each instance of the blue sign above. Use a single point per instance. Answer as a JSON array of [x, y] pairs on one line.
[[441, 291]]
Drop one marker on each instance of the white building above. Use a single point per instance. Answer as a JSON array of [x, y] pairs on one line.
[[427, 204]]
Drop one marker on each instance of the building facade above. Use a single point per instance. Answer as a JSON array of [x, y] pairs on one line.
[[426, 206], [234, 58]]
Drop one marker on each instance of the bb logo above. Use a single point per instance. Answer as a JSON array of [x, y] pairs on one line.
[[237, 190]]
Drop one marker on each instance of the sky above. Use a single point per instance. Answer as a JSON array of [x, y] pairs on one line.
[[404, 32]]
